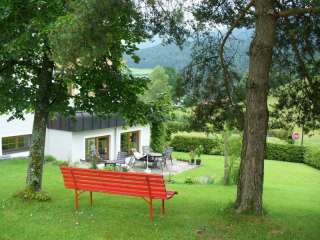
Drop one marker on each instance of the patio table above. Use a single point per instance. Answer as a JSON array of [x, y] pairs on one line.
[[154, 156]]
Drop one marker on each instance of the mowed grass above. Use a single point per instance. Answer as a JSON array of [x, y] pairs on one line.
[[291, 199]]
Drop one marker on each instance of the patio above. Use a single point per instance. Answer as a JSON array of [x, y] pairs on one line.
[[174, 168]]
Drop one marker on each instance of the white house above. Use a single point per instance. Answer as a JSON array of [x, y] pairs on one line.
[[72, 139]]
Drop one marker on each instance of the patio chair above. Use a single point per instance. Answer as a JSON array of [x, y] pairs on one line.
[[136, 156], [146, 150], [167, 155], [121, 160]]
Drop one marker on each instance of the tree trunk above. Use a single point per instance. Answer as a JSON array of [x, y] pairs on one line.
[[250, 186], [226, 177], [302, 135], [41, 113]]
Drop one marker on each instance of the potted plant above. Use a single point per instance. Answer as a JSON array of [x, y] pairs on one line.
[[198, 152], [192, 156]]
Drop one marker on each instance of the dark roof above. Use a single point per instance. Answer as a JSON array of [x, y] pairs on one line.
[[84, 122]]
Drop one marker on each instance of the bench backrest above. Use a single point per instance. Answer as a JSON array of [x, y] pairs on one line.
[[123, 183]]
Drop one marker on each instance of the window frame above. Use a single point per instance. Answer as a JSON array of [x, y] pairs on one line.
[[18, 139]]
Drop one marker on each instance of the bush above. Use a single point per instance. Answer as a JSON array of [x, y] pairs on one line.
[[312, 157], [49, 158], [279, 133], [158, 136], [29, 195], [235, 173], [175, 126], [189, 143], [287, 153]]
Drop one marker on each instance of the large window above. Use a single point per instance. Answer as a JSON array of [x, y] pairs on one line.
[[130, 140], [98, 146], [16, 144]]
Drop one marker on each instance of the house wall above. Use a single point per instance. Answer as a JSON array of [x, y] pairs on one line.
[[75, 147], [78, 142], [65, 145], [14, 128], [59, 144]]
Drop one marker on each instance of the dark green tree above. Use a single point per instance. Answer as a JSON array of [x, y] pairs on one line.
[[295, 107], [46, 46], [283, 31]]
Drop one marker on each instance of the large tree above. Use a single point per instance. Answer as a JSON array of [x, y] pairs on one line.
[[283, 31], [49, 45]]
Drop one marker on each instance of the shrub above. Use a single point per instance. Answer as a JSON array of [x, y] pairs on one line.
[[312, 157], [279, 133], [29, 195], [204, 180], [158, 136], [188, 180], [49, 158], [235, 173], [287, 153], [175, 126], [189, 143]]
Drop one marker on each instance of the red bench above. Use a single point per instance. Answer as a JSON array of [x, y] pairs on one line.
[[146, 186]]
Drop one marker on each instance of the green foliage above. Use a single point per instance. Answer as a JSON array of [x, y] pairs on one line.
[[94, 161], [312, 157], [176, 126], [188, 180], [199, 151], [192, 154], [157, 117], [158, 136], [159, 85], [282, 134], [189, 143], [49, 158], [235, 172], [298, 102], [118, 26], [288, 153], [203, 180], [29, 195]]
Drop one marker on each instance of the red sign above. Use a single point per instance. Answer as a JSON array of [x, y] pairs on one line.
[[295, 136]]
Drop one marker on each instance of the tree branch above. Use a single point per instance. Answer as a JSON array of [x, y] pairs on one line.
[[225, 69], [298, 11]]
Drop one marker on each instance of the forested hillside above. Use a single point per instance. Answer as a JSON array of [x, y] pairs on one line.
[[172, 56]]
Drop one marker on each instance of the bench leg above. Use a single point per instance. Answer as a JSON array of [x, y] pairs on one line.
[[77, 199], [162, 207], [91, 199]]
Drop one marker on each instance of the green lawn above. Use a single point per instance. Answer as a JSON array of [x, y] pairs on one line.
[[291, 198]]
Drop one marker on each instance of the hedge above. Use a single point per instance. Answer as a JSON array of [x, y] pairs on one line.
[[312, 157], [280, 152], [187, 143], [285, 152]]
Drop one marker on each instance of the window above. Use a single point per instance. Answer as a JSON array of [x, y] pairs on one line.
[[98, 146], [16, 144], [130, 140]]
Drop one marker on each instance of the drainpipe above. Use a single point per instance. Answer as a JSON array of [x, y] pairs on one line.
[[115, 140]]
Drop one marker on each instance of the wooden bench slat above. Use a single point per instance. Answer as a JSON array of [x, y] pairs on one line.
[[139, 178], [102, 172], [116, 184], [120, 181]]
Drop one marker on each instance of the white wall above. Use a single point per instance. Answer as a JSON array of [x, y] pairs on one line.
[[14, 128], [69, 146], [59, 144], [78, 142]]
